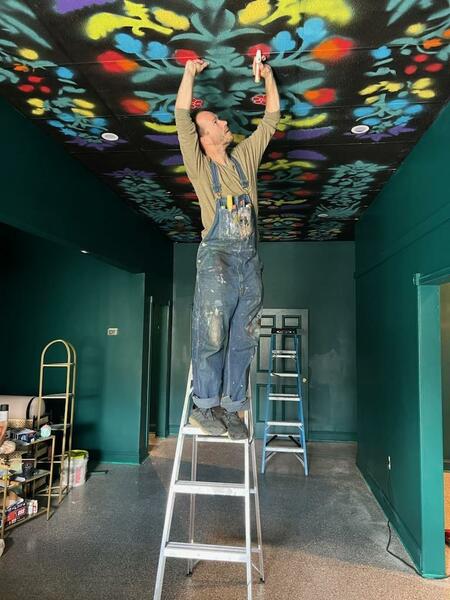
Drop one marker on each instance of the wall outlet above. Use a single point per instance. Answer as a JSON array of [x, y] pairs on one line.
[[389, 463], [113, 331]]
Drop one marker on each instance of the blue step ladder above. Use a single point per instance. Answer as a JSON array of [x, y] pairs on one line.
[[292, 430]]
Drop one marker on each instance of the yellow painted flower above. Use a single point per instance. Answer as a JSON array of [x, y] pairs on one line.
[[254, 12], [422, 83], [389, 86], [83, 103], [371, 99], [420, 88], [238, 137], [36, 102], [287, 121], [38, 111], [28, 54], [171, 19], [370, 89], [393, 86], [160, 127], [82, 112], [415, 29]]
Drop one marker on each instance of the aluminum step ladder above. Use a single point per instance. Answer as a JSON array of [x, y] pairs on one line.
[[194, 551], [294, 430]]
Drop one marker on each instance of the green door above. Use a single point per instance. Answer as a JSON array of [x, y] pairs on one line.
[[280, 411]]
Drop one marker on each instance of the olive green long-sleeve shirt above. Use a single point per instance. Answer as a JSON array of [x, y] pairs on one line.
[[248, 153]]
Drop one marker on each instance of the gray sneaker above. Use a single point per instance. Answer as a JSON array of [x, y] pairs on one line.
[[207, 421], [237, 429]]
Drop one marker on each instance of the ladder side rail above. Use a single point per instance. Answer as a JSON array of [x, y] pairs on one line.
[[268, 391], [248, 529], [300, 405], [190, 563], [171, 494]]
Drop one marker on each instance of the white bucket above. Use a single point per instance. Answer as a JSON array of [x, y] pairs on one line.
[[78, 467]]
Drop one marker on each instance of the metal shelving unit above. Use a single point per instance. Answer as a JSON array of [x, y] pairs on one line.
[[62, 458], [27, 486]]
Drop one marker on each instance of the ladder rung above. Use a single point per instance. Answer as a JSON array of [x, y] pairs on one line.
[[202, 437], [296, 450], [57, 396], [206, 552], [284, 435], [285, 423], [212, 488], [290, 353], [287, 397], [57, 364], [285, 374]]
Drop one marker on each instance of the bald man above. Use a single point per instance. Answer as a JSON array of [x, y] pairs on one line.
[[228, 290]]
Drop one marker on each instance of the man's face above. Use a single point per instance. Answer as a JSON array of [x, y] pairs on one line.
[[214, 131]]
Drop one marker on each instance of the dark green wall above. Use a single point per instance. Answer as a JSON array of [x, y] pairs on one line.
[[51, 292], [445, 341], [405, 231], [317, 276]]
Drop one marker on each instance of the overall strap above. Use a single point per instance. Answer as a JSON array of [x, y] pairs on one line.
[[217, 188], [242, 177]]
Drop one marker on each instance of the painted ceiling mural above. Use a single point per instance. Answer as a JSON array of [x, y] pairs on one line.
[[84, 69]]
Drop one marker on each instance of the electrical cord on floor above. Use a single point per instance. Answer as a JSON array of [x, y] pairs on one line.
[[405, 562]]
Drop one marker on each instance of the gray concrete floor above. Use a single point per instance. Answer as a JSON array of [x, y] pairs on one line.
[[324, 536]]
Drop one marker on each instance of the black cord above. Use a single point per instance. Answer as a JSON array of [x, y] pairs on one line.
[[390, 536]]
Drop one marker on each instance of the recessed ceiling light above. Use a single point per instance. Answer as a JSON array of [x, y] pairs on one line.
[[322, 215], [360, 129], [109, 136], [84, 252]]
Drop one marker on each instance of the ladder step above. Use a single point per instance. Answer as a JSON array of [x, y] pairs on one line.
[[206, 552], [287, 397], [212, 488], [284, 423], [285, 374], [284, 353], [203, 437], [295, 450]]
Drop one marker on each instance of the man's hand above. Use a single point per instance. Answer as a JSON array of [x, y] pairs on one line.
[[196, 66], [264, 69]]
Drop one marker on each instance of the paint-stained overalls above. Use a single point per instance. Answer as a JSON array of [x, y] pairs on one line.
[[227, 301]]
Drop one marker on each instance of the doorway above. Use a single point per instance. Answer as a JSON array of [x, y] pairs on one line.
[[278, 317], [433, 378]]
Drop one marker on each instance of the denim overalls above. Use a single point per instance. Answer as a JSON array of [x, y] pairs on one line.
[[227, 302]]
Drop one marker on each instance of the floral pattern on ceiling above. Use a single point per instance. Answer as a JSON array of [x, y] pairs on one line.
[[83, 68]]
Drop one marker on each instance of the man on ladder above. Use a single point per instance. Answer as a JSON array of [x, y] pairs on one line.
[[228, 292]]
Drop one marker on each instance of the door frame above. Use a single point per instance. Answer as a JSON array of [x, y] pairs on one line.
[[431, 449]]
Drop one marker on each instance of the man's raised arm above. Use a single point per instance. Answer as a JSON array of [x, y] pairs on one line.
[[254, 146], [187, 133]]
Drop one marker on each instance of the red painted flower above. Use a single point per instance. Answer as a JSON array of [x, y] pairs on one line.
[[182, 56], [260, 99], [309, 176], [182, 179], [278, 135], [410, 69], [33, 85], [275, 155], [266, 177], [115, 62], [196, 103], [420, 58], [135, 106], [333, 49], [265, 50], [190, 196], [434, 67], [320, 96], [303, 193]]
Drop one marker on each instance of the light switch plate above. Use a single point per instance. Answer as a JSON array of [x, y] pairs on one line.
[[113, 331]]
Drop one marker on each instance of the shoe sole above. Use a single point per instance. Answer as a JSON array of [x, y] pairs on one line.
[[195, 423]]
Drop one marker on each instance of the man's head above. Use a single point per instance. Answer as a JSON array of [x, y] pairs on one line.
[[213, 132]]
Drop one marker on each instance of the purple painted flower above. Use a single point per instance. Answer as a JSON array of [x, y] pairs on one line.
[[174, 160], [306, 155], [308, 134], [65, 6], [169, 140]]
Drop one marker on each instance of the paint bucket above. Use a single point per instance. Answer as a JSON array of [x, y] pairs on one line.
[[78, 468]]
